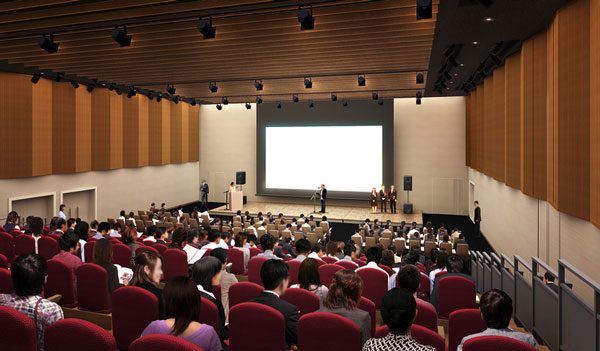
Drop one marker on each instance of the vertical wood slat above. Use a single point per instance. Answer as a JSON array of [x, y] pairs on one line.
[[474, 129], [488, 132], [63, 129], [468, 101], [499, 118], [194, 125], [481, 127], [155, 134], [130, 131], [41, 136], [102, 136], [166, 132], [176, 133], [551, 120], [116, 128], [185, 136], [83, 130], [513, 124], [595, 112], [143, 131]]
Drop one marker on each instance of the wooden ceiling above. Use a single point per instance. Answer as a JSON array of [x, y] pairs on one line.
[[255, 40]]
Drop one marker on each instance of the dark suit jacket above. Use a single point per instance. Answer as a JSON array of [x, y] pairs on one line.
[[223, 332], [477, 214], [289, 312], [435, 293], [324, 194]]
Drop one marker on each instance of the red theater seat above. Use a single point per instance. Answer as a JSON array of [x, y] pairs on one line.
[[426, 315], [305, 300], [462, 323], [294, 268], [368, 306], [18, 331], [7, 245], [209, 313], [145, 248], [347, 264], [122, 255], [340, 333], [24, 244], [256, 327], [159, 342], [3, 261], [48, 247], [485, 343], [88, 250], [6, 285], [243, 292], [375, 284], [175, 264], [236, 258], [92, 288], [254, 266], [330, 260], [76, 334], [327, 271], [133, 308], [455, 293], [424, 288], [60, 281], [160, 248]]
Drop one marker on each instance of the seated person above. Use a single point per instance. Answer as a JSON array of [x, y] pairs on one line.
[[102, 231], [226, 281], [178, 239], [103, 257], [302, 249], [497, 308], [275, 278], [331, 249], [317, 252], [350, 252], [147, 271], [310, 280], [115, 232], [29, 272], [549, 281], [191, 246], [182, 313], [373, 259], [342, 299], [398, 311], [454, 265], [129, 237], [214, 241], [206, 273], [267, 242]]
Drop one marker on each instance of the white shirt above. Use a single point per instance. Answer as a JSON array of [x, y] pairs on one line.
[[432, 277], [412, 232], [62, 215], [300, 258], [82, 245], [373, 264], [150, 238], [306, 225], [314, 255], [271, 292], [115, 234], [201, 288]]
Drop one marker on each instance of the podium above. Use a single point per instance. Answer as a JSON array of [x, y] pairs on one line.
[[236, 199]]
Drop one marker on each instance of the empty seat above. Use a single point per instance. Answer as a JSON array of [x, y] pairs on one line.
[[175, 264], [133, 308], [18, 331], [76, 334], [462, 323], [235, 256], [48, 247], [254, 266], [60, 282], [265, 332], [160, 342], [327, 271], [294, 268], [92, 288], [7, 245], [485, 343], [426, 315], [304, 300], [375, 284], [340, 333], [455, 293], [243, 292]]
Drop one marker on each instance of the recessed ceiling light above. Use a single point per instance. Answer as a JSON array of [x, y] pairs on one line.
[[475, 43], [462, 65], [488, 19]]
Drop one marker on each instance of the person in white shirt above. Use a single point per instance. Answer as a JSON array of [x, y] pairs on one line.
[[317, 252], [302, 249], [122, 215], [191, 247], [331, 249], [36, 224], [373, 258], [301, 220], [61, 212], [267, 242], [206, 214], [439, 258], [305, 225], [412, 232], [214, 238], [115, 232]]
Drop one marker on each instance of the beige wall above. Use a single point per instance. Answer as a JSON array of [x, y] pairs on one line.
[[429, 142], [128, 188]]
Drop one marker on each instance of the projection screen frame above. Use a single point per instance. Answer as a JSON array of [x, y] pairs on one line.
[[325, 113]]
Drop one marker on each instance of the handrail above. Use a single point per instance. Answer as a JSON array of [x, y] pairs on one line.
[[536, 262], [563, 264], [522, 262], [487, 257], [507, 260]]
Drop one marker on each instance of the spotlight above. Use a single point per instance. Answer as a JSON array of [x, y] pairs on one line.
[[118, 91], [278, 104], [424, 9], [212, 86], [111, 86], [36, 78], [344, 103], [295, 98], [248, 106], [47, 43], [375, 96], [496, 59], [306, 19], [90, 88], [150, 95], [59, 76], [311, 105], [193, 102], [380, 102], [420, 78], [219, 107], [224, 100], [158, 97], [176, 99], [120, 36], [132, 92], [74, 84], [206, 28], [419, 95], [259, 100], [362, 81], [333, 97], [307, 83], [258, 84], [171, 89]]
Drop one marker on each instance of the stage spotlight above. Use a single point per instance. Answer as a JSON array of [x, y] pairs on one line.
[[158, 97], [424, 9], [193, 102], [344, 103], [362, 81], [36, 78], [47, 43], [258, 84], [248, 106], [219, 107], [212, 86], [496, 59], [171, 89], [420, 78], [206, 28], [176, 99], [119, 34], [311, 105], [306, 19], [150, 95], [278, 104], [132, 92], [295, 98], [224, 100], [375, 96], [259, 100], [111, 86], [307, 83], [380, 102], [333, 97], [90, 88], [118, 91], [59, 76], [74, 84]]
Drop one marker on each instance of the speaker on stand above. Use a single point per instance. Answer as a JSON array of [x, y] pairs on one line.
[[408, 207]]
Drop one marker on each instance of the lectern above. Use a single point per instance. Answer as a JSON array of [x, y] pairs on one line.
[[237, 200]]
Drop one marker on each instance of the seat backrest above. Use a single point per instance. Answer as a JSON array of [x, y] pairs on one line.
[[368, 306], [243, 292], [425, 336], [370, 242], [161, 248], [88, 250], [145, 248], [347, 264], [389, 271], [235, 256], [7, 245], [429, 245], [455, 293], [329, 259], [462, 323], [340, 333], [424, 288], [209, 314], [360, 263], [484, 343], [294, 268], [446, 247], [3, 261], [122, 255], [92, 288], [266, 332], [426, 316], [327, 271], [76, 334], [375, 284], [462, 250], [254, 266], [304, 300], [18, 331], [24, 244], [6, 284], [414, 242], [254, 251], [400, 245], [48, 247], [160, 342], [133, 309], [175, 264], [60, 281]]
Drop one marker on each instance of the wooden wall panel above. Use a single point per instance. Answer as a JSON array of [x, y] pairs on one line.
[[116, 128], [63, 129], [102, 136], [551, 120], [481, 127], [41, 132], [474, 129], [143, 129], [513, 121], [194, 128], [499, 119], [176, 133], [595, 112], [166, 132], [155, 133], [488, 131], [185, 136], [83, 130], [468, 101], [131, 114]]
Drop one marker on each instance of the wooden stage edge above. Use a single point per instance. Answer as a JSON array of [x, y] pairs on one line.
[[344, 214]]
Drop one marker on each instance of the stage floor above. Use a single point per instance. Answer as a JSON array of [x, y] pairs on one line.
[[344, 214]]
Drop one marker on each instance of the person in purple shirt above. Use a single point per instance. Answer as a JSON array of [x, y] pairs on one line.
[[182, 310]]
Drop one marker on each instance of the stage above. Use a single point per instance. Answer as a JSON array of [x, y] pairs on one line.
[[343, 214]]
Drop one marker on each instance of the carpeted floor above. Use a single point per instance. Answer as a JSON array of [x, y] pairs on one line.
[[464, 224]]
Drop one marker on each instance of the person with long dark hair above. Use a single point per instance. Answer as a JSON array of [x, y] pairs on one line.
[[182, 313], [309, 279], [103, 257], [206, 273], [147, 271]]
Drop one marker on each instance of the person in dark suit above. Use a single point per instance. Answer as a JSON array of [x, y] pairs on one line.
[[477, 218], [549, 281], [393, 197], [275, 278], [204, 192], [323, 194], [383, 196]]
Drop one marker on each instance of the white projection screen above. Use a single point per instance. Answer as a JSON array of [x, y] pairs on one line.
[[341, 151], [350, 148]]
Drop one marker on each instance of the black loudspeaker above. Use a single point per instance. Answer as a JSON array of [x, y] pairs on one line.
[[240, 178], [407, 183], [424, 9], [407, 208]]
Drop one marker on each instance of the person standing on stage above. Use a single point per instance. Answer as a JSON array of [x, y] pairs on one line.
[[393, 196], [383, 196], [477, 218], [323, 193], [373, 200], [231, 189], [204, 192]]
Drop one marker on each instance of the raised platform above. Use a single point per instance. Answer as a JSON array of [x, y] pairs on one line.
[[344, 214]]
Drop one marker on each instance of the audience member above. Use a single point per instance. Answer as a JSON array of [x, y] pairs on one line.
[[178, 239], [373, 259], [549, 281], [409, 278], [388, 258], [454, 266], [69, 245], [191, 247], [81, 231], [36, 225], [94, 230], [267, 242], [317, 252], [227, 279], [302, 249], [497, 308], [440, 258], [331, 249], [310, 279], [350, 252], [343, 298], [28, 274], [147, 271], [182, 312], [115, 231], [214, 241], [61, 212], [103, 257], [61, 226], [206, 273]]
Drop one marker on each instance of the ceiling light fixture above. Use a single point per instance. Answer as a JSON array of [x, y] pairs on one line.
[[306, 19], [206, 28], [212, 86], [47, 43], [258, 84], [119, 34]]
